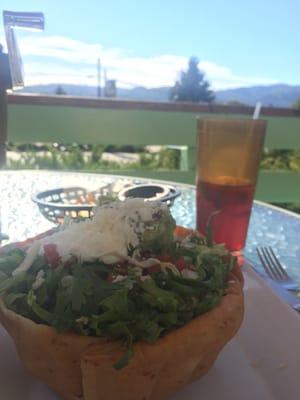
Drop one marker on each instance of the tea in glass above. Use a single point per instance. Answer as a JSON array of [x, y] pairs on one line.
[[229, 153]]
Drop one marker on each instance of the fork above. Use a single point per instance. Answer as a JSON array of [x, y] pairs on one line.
[[274, 268]]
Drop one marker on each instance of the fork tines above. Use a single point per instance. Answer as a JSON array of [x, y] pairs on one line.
[[271, 264]]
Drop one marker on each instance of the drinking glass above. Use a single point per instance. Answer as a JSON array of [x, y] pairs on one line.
[[228, 159]]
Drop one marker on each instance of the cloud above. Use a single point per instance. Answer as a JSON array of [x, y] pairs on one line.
[[81, 59], [59, 59], [223, 77]]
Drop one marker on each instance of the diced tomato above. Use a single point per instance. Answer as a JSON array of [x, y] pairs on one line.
[[165, 257], [51, 254], [180, 263], [153, 269], [182, 232]]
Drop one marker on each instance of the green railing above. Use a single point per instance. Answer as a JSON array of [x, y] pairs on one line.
[[63, 119]]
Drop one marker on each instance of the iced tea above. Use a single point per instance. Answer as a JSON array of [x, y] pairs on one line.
[[225, 204], [228, 158]]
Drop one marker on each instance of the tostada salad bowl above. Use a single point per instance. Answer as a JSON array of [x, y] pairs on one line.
[[126, 305]]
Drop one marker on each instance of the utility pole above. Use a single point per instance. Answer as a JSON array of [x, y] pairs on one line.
[[105, 83], [98, 78]]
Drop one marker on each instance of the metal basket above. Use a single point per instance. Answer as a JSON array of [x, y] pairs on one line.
[[56, 204], [78, 203]]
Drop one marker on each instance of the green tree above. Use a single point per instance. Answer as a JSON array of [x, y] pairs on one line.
[[296, 105], [60, 90], [192, 85]]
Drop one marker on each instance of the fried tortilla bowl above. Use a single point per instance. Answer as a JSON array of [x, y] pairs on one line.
[[77, 366]]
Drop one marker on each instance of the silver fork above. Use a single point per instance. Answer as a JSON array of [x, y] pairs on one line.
[[274, 268]]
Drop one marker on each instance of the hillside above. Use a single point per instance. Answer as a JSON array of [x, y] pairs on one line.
[[274, 95], [279, 95]]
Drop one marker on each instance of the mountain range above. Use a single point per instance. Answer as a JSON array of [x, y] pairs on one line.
[[279, 95]]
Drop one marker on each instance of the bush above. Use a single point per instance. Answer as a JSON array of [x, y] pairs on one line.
[[281, 160], [71, 157]]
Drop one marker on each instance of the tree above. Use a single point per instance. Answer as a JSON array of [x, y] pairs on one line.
[[296, 105], [60, 90], [192, 85]]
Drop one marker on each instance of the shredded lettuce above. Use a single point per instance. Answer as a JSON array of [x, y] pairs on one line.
[[82, 297]]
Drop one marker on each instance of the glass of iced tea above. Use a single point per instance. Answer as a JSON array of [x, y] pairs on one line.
[[228, 158]]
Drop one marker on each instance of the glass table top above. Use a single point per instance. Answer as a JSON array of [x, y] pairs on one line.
[[21, 218]]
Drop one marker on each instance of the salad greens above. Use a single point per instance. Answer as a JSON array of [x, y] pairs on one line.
[[123, 301]]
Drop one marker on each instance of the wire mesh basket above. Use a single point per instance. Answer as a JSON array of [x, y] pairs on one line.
[[73, 202]]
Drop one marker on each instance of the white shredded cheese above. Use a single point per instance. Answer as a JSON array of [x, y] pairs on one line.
[[82, 320], [114, 227], [189, 274], [149, 262], [119, 278], [39, 280]]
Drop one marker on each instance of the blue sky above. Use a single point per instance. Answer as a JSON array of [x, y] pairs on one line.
[[239, 43]]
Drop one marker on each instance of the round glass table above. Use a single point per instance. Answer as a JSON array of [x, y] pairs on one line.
[[21, 218], [264, 354]]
